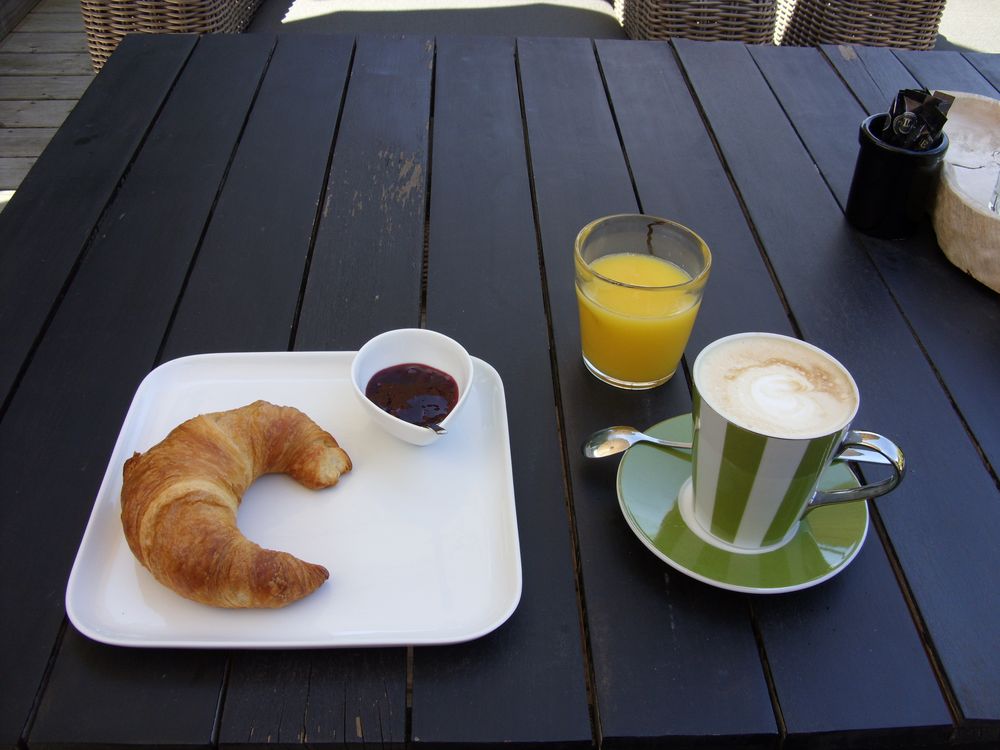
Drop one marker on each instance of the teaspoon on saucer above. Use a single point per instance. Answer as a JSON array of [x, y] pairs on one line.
[[613, 440]]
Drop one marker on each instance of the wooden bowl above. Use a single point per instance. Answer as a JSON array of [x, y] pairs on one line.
[[967, 231]]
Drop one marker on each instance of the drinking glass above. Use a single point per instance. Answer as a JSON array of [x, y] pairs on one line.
[[639, 285]]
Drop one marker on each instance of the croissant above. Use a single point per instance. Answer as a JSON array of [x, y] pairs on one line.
[[179, 502]]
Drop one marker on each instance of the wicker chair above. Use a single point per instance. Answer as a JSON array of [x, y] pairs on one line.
[[876, 23], [750, 21], [107, 21]]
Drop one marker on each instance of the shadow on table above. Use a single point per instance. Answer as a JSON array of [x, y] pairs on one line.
[[943, 44]]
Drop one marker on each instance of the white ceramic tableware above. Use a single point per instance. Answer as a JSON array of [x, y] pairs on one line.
[[403, 346], [421, 543]]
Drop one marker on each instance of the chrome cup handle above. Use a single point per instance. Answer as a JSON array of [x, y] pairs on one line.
[[866, 443]]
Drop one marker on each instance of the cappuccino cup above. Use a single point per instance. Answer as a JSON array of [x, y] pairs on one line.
[[771, 413]]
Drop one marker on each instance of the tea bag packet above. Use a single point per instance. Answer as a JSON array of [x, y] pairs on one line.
[[916, 119]]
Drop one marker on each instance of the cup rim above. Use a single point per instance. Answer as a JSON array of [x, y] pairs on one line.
[[696, 368], [866, 129], [703, 246]]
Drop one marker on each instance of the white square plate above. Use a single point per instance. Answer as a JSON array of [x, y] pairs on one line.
[[421, 543]]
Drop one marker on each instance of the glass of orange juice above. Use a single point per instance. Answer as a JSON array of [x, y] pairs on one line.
[[639, 284]]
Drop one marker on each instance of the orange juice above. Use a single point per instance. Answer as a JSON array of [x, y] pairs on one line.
[[635, 333]]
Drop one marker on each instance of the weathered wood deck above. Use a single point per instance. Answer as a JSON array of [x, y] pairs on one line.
[[44, 69]]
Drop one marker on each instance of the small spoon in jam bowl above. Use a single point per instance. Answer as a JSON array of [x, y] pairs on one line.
[[412, 382]]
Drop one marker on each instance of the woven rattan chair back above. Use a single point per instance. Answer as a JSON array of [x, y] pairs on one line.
[[750, 21], [912, 24], [107, 21]]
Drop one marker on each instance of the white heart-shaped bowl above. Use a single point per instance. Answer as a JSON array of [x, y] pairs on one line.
[[403, 346]]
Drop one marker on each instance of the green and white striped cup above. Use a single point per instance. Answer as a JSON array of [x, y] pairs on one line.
[[770, 415]]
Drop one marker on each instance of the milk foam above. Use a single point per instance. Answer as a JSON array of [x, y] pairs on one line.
[[776, 386]]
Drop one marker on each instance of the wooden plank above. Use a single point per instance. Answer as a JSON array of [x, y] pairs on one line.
[[11, 12], [825, 115], [144, 685], [328, 698], [646, 684], [34, 114], [43, 42], [56, 63], [533, 665], [369, 246], [821, 268], [988, 66], [94, 145], [102, 341], [681, 178], [13, 170], [874, 74], [47, 22], [253, 258], [945, 70], [57, 6], [43, 87], [24, 141]]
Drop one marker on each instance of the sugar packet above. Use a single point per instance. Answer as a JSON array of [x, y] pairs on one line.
[[916, 119]]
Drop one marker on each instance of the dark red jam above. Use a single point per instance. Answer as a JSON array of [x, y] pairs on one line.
[[416, 393]]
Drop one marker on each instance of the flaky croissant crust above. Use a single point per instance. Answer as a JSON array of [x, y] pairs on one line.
[[180, 498]]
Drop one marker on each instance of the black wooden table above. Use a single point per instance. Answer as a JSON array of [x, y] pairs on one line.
[[253, 193]]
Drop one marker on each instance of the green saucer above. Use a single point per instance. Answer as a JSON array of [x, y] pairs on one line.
[[649, 480]]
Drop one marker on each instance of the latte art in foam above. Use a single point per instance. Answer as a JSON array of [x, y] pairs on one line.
[[776, 386]]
